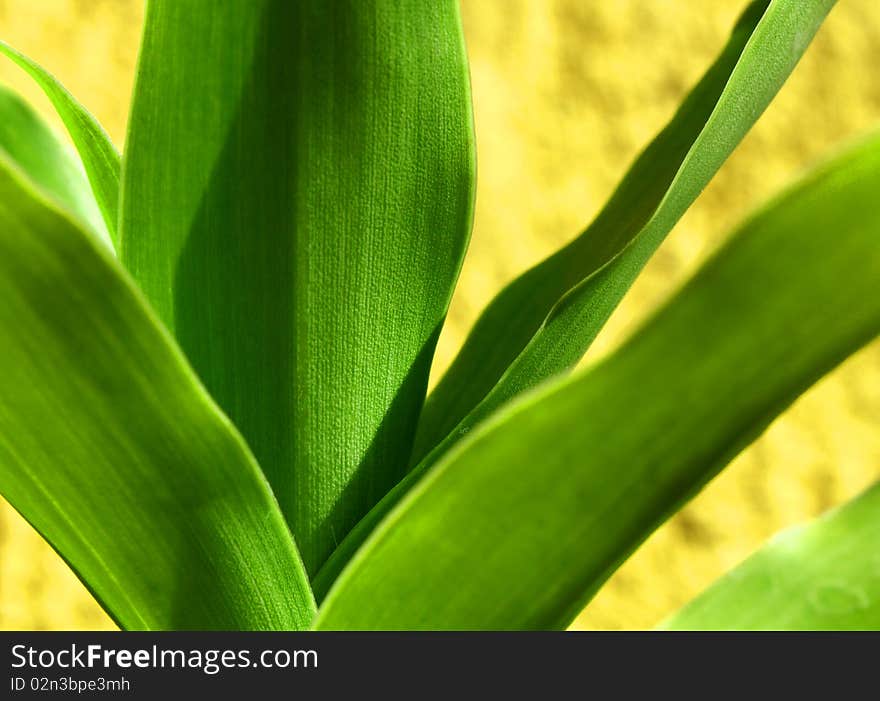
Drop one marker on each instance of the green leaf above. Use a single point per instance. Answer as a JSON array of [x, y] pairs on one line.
[[543, 322], [299, 220], [515, 343], [523, 520], [821, 576], [113, 451], [50, 164], [99, 156]]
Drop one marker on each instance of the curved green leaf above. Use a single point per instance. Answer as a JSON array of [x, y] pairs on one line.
[[98, 155], [114, 452], [522, 521], [824, 575], [299, 220], [515, 343], [543, 322], [50, 164]]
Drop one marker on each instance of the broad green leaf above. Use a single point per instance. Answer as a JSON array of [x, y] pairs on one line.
[[114, 452], [543, 322], [299, 220], [515, 342], [523, 520], [824, 575], [99, 157], [50, 164]]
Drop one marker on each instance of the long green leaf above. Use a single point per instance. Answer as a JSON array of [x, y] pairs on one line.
[[515, 343], [50, 164], [114, 452], [299, 220], [99, 156], [821, 576], [543, 322], [522, 521]]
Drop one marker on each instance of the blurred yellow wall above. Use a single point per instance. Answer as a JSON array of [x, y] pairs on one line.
[[566, 92]]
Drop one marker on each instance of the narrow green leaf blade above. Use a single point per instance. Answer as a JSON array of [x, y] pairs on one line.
[[520, 523], [544, 321], [824, 575], [299, 220], [50, 164], [99, 157], [541, 324], [114, 452]]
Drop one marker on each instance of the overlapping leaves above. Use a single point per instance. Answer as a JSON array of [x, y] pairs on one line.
[[297, 223]]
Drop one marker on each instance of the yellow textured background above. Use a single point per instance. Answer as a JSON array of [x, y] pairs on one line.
[[566, 92]]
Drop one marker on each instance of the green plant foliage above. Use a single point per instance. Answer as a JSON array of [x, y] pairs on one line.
[[821, 576], [99, 156], [544, 321], [292, 212], [622, 447], [298, 222], [50, 164], [114, 452]]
